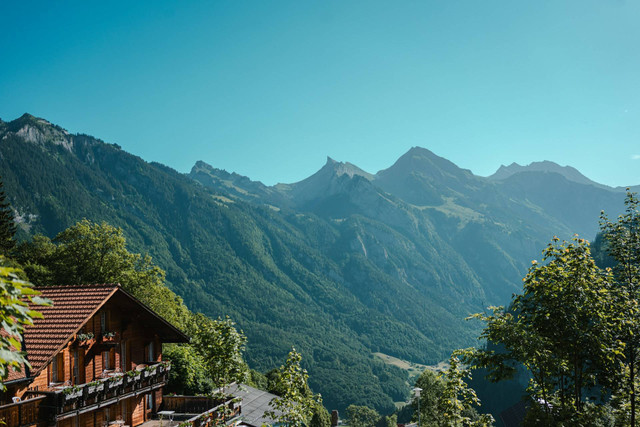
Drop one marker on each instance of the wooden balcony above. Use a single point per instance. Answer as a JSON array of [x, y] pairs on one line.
[[65, 401], [190, 404], [24, 413]]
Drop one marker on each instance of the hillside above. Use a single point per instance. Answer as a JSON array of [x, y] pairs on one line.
[[342, 264]]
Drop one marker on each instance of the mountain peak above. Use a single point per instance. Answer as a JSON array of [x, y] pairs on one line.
[[421, 161], [421, 177], [39, 131], [27, 116], [325, 181], [544, 166], [334, 167]]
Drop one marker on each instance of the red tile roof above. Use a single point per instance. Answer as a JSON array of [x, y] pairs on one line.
[[72, 307]]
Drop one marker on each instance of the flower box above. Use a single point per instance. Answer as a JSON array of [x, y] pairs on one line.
[[109, 337], [71, 393], [116, 381], [95, 387]]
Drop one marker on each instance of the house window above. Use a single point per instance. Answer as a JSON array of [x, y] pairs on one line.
[[57, 368], [124, 410], [150, 354], [76, 366], [149, 398], [103, 321], [123, 356], [106, 360]]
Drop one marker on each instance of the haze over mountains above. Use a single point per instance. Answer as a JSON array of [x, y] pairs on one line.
[[341, 264]]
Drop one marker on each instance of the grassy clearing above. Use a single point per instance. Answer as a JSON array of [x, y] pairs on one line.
[[414, 369]]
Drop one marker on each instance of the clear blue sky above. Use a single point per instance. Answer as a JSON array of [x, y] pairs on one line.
[[268, 89]]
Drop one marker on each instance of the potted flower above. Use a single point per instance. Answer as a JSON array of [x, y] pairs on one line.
[[85, 339], [71, 393], [150, 370], [95, 386], [133, 376], [109, 336], [116, 381]]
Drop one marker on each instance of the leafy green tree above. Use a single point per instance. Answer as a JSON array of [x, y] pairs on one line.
[[220, 345], [432, 389], [187, 375], [89, 253], [15, 314], [7, 224], [457, 401], [564, 329], [623, 238], [446, 399], [387, 421], [295, 403], [258, 380], [362, 416], [320, 417]]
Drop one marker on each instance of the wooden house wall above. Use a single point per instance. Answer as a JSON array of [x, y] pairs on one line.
[[137, 338], [137, 416]]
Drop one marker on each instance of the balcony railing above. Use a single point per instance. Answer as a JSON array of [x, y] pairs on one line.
[[116, 385], [190, 404], [23, 413], [224, 412]]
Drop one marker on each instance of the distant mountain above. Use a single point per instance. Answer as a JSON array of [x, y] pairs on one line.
[[324, 182], [238, 186], [546, 166], [341, 264]]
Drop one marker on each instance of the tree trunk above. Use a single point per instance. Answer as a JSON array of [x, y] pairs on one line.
[[632, 380]]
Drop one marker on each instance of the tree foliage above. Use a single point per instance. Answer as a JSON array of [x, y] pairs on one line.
[[361, 416], [623, 245], [90, 253], [447, 400], [188, 372], [295, 403], [321, 417], [15, 314], [220, 345], [7, 224], [564, 328]]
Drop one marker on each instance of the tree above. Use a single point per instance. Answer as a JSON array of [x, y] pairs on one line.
[[89, 253], [563, 329], [295, 403], [432, 389], [220, 345], [15, 314], [7, 224], [361, 416], [321, 417], [388, 421], [623, 238], [457, 401], [446, 399], [188, 373], [258, 380]]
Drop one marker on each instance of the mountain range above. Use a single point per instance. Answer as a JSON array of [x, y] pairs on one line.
[[342, 264]]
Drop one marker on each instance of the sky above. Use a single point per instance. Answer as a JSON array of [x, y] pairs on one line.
[[269, 89]]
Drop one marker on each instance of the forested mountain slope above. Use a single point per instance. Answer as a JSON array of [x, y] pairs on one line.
[[342, 264]]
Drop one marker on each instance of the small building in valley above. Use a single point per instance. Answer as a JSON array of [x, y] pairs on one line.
[[96, 359]]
